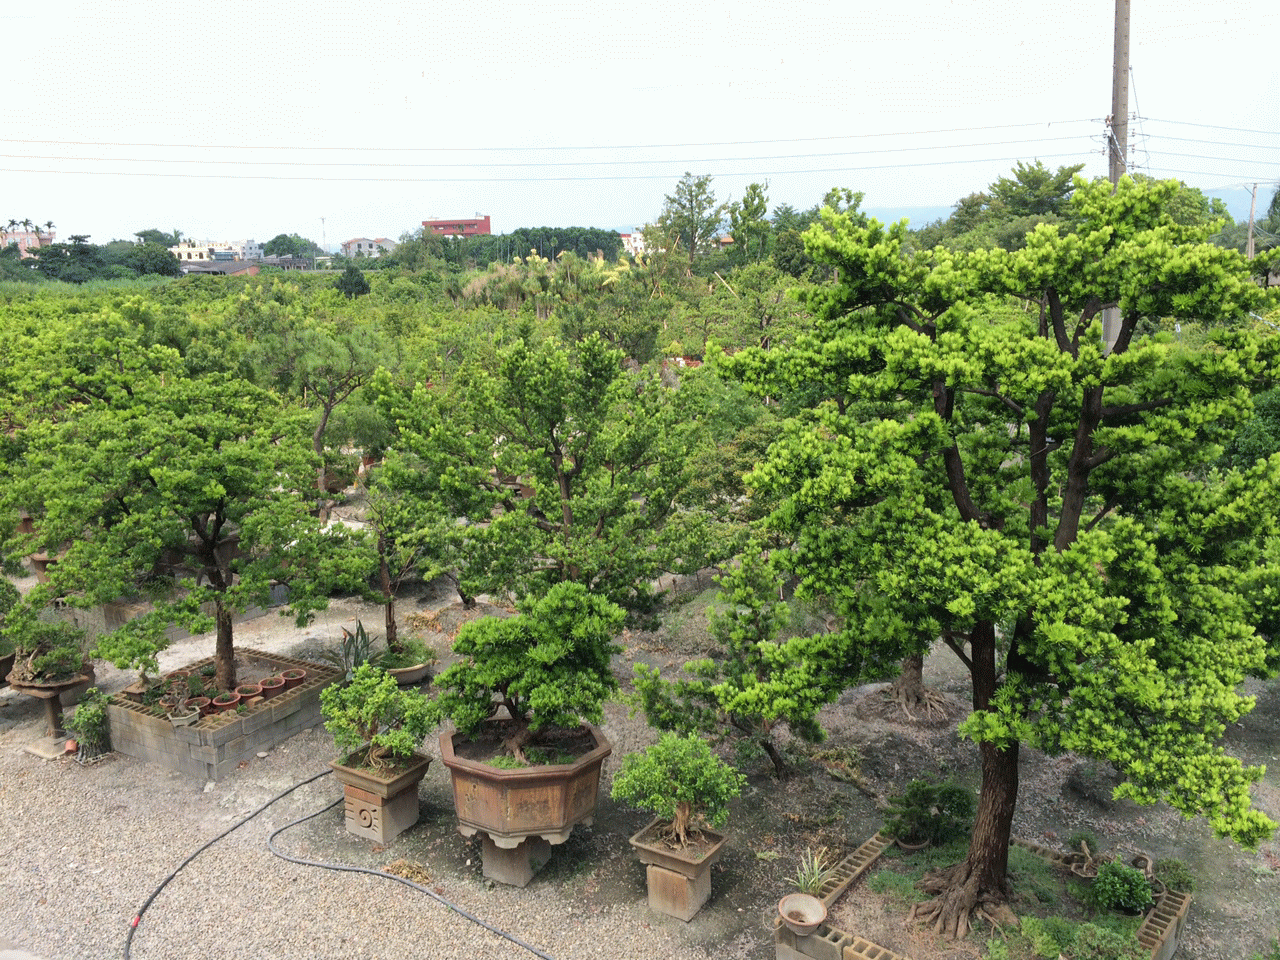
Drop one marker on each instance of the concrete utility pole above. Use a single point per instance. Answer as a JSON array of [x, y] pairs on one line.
[[1118, 140], [1253, 203]]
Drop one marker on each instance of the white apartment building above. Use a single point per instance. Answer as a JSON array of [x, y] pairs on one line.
[[207, 250], [370, 249]]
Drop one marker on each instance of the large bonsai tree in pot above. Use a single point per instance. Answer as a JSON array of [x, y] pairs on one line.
[[549, 667]]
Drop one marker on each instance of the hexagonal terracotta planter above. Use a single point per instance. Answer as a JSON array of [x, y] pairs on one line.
[[522, 812]]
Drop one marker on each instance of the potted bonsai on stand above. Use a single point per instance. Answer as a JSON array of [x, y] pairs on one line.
[[523, 780], [688, 789], [378, 727]]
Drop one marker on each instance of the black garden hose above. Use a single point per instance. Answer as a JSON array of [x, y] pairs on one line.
[[348, 868]]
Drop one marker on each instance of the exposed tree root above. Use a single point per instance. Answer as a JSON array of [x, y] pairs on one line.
[[960, 899]]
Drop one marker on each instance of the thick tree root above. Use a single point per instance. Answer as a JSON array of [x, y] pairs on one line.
[[960, 900], [921, 699]]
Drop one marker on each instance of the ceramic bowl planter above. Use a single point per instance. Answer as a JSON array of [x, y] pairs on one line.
[[678, 878], [380, 805], [522, 811], [803, 913]]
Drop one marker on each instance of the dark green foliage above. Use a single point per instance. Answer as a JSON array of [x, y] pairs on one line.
[[930, 813], [1258, 437], [1120, 887], [1175, 875], [549, 666], [1094, 942], [352, 283]]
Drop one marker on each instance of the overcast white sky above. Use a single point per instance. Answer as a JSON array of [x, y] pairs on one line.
[[248, 119]]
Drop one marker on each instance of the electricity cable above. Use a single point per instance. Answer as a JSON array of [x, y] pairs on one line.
[[349, 868]]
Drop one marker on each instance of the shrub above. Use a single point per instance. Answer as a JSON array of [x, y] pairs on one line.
[[373, 709], [1119, 887], [930, 812], [1173, 873], [681, 780], [1097, 943], [1050, 937], [89, 724]]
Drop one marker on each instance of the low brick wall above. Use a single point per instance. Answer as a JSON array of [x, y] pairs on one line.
[[216, 744]]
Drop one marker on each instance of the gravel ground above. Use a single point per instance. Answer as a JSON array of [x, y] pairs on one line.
[[89, 844]]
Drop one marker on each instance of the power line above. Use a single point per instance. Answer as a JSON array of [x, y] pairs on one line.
[[550, 163], [594, 146], [540, 179], [1212, 126]]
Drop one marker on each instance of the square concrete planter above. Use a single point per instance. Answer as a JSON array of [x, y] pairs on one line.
[[521, 812], [215, 745], [381, 806], [679, 881]]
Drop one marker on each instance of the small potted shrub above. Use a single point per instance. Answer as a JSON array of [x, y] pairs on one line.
[[528, 694], [90, 726], [378, 727], [688, 789], [929, 813], [50, 662]]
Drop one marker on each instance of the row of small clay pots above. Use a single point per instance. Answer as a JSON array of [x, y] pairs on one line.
[[245, 692]]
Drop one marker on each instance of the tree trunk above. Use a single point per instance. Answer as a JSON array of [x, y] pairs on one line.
[[908, 689], [388, 598], [979, 882], [224, 654]]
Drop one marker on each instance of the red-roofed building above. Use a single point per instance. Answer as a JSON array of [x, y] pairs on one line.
[[476, 226]]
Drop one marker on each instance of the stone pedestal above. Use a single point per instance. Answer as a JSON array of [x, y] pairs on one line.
[[380, 818], [675, 894], [514, 865]]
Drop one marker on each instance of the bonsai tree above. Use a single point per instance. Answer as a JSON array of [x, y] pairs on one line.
[[929, 812], [679, 780], [45, 652], [549, 665], [373, 721]]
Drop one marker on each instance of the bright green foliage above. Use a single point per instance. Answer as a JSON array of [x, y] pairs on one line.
[[168, 479], [755, 681], [89, 724], [1096, 942], [690, 216], [372, 709], [681, 780], [957, 465], [44, 651], [549, 666], [1050, 937], [1119, 887], [812, 873], [930, 813], [8, 598]]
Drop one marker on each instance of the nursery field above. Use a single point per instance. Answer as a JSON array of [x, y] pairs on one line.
[[591, 893]]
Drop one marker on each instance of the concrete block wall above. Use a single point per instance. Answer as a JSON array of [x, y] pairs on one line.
[[217, 744]]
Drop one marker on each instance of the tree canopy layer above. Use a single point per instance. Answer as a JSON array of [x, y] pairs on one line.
[[967, 455]]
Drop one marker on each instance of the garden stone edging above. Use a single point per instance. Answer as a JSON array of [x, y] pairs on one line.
[[218, 743], [1159, 932]]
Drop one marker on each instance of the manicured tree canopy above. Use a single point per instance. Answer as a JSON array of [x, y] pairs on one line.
[[968, 455]]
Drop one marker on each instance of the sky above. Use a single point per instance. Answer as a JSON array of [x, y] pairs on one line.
[[337, 120]]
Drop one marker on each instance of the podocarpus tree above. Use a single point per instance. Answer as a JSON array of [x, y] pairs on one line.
[[1000, 480], [206, 482]]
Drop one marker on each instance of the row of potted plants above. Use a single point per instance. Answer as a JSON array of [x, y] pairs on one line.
[[526, 752]]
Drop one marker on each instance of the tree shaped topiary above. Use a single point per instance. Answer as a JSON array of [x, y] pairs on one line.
[[549, 666]]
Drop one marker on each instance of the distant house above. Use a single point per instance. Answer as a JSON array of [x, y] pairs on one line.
[[288, 263], [633, 243], [205, 251], [476, 226], [366, 248], [26, 239]]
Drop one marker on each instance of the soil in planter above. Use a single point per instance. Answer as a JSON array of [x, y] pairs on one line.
[[697, 849], [545, 746], [876, 908]]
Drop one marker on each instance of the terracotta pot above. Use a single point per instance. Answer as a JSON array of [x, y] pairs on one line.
[[203, 704], [803, 913], [248, 691], [226, 701], [293, 677], [271, 686], [380, 806], [678, 880]]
